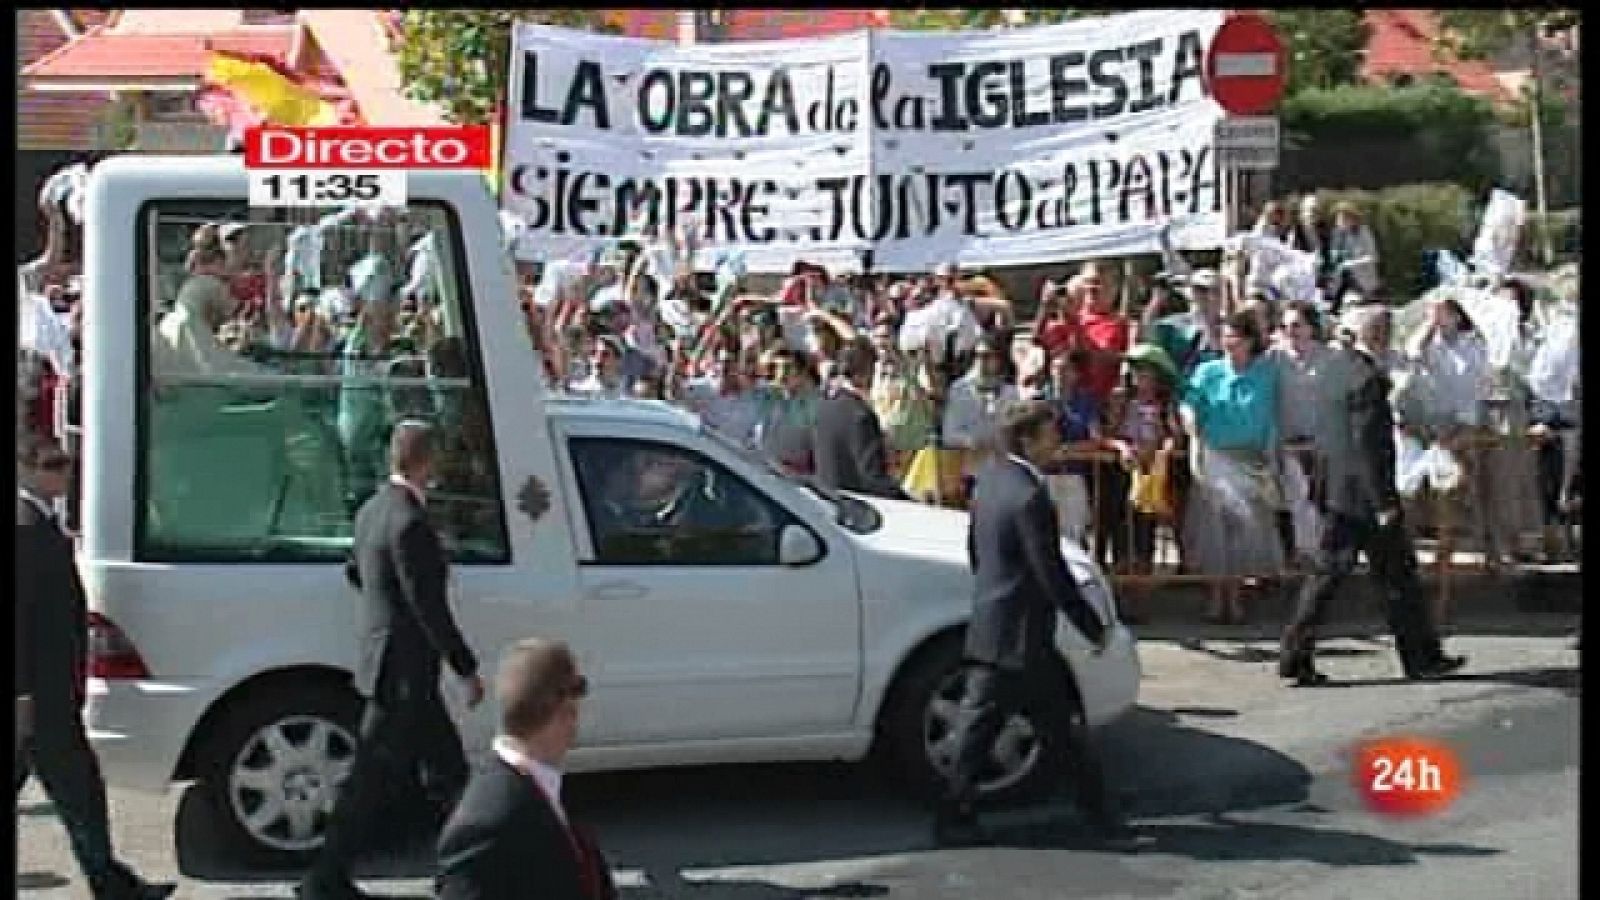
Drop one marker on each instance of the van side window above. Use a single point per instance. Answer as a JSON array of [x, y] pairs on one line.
[[651, 503], [281, 348]]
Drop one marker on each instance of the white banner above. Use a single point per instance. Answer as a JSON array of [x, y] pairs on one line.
[[997, 148]]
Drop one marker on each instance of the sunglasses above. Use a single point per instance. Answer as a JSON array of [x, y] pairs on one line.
[[59, 463], [579, 688]]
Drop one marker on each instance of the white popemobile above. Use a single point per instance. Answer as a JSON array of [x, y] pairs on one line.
[[768, 620]]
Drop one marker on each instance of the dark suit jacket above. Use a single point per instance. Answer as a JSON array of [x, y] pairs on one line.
[[400, 567], [849, 447], [1021, 578], [1360, 461], [52, 613], [504, 842]]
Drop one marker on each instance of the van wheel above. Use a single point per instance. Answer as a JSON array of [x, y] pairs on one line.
[[920, 735], [272, 770]]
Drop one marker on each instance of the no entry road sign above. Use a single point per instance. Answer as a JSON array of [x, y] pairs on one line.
[[1246, 65]]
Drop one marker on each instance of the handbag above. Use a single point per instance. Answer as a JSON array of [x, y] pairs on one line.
[[1151, 493]]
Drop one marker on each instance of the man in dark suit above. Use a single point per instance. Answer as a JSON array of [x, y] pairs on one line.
[[52, 618], [1021, 580], [401, 569], [1361, 507], [512, 836], [849, 447]]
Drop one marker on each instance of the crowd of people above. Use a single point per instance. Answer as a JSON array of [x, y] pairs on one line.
[[1190, 403], [1264, 414], [1190, 406]]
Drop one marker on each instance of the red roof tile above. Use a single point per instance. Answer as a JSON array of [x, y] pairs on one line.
[[1403, 42], [774, 24], [109, 55], [47, 121]]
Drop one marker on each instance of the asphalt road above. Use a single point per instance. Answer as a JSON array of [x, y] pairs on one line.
[[1242, 783]]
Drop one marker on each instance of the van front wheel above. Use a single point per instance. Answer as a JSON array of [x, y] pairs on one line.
[[921, 734], [273, 769]]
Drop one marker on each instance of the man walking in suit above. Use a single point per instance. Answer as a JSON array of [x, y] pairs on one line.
[[52, 655], [401, 569], [511, 837], [849, 447], [1021, 581], [1361, 505]]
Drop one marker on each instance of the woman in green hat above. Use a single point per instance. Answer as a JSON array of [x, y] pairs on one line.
[[1147, 435]]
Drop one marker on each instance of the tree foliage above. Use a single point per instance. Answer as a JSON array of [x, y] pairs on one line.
[[116, 127], [1481, 33], [458, 59], [984, 19], [1325, 46]]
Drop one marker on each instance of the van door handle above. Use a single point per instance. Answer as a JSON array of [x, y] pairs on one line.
[[618, 590]]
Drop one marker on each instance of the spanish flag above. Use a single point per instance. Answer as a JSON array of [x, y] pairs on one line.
[[279, 96]]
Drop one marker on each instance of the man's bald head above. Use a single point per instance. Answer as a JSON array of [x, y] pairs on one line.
[[411, 449]]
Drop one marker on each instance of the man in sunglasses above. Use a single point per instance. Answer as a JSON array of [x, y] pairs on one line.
[[51, 652], [511, 837]]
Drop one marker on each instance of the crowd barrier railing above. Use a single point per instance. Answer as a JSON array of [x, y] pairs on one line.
[[1166, 565]]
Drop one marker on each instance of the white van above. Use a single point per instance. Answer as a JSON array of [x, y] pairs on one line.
[[773, 621]]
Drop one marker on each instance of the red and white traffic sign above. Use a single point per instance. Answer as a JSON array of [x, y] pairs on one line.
[[1246, 65]]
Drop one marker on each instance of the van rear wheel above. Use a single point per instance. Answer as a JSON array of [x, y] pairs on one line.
[[273, 768]]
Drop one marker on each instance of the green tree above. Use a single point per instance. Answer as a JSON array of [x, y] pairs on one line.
[[1325, 46], [117, 126], [458, 59], [1480, 33], [983, 19]]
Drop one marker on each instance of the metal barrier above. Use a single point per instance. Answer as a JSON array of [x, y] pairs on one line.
[[1166, 566]]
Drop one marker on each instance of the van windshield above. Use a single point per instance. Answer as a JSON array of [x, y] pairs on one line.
[[851, 513]]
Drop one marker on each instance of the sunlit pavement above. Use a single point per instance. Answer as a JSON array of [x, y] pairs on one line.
[[1241, 782]]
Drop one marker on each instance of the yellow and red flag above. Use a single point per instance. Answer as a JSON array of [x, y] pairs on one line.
[[276, 95]]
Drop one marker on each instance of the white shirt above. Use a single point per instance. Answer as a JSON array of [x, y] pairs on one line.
[[1030, 467], [971, 416], [934, 322], [421, 498], [422, 266], [1301, 395], [1554, 370], [41, 329], [734, 416], [591, 386], [1460, 373], [1360, 256], [547, 776], [44, 508]]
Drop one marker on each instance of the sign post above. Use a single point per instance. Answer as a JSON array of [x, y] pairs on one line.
[[1246, 70]]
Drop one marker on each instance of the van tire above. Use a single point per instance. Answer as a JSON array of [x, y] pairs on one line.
[[303, 710], [907, 730]]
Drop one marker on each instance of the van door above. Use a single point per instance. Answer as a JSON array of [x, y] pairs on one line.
[[698, 632], [532, 589]]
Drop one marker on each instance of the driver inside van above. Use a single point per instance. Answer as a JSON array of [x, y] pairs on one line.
[[659, 502], [647, 492]]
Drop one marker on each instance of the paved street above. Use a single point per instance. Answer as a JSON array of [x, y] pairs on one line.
[[1241, 782]]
